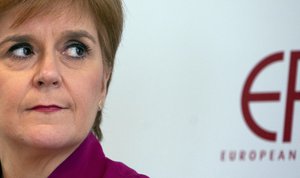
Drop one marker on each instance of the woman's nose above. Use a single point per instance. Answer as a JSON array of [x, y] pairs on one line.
[[47, 74]]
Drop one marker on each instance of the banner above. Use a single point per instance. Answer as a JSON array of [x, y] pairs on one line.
[[207, 89]]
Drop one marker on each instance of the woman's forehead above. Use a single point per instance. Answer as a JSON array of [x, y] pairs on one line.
[[51, 25], [28, 9]]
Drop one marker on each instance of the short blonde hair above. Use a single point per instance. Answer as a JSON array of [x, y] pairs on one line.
[[108, 18]]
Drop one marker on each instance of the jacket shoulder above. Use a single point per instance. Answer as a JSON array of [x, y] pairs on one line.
[[116, 169]]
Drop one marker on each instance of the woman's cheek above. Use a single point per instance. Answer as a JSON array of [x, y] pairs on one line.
[[86, 95]]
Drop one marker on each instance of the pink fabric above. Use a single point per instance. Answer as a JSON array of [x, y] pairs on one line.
[[89, 161]]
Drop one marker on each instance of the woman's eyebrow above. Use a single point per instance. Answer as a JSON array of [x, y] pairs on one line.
[[66, 34], [79, 34], [16, 38]]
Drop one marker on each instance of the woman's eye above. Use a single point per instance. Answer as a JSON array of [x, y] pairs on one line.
[[21, 51], [76, 50]]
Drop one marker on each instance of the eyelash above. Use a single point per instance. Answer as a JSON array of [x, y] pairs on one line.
[[20, 46], [79, 46], [84, 49]]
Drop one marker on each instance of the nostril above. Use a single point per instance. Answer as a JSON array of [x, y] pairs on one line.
[[40, 83]]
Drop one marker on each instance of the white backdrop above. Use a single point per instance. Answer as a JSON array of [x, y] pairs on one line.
[[175, 100]]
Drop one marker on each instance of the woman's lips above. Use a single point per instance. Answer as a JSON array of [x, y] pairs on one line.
[[46, 108]]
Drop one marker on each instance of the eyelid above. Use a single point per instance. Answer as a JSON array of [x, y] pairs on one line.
[[19, 45], [79, 34], [16, 46], [76, 43]]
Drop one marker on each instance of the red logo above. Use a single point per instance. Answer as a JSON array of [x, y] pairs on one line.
[[292, 97]]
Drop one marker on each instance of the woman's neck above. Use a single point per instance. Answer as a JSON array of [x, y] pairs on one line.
[[28, 162]]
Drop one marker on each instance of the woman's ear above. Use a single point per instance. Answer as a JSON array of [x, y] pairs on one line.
[[105, 82], [100, 105]]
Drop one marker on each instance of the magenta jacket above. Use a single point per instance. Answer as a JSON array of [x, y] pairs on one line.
[[89, 161]]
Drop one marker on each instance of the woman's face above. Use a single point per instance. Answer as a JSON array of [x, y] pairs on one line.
[[51, 79]]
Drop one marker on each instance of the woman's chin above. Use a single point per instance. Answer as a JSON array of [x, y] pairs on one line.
[[48, 137]]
